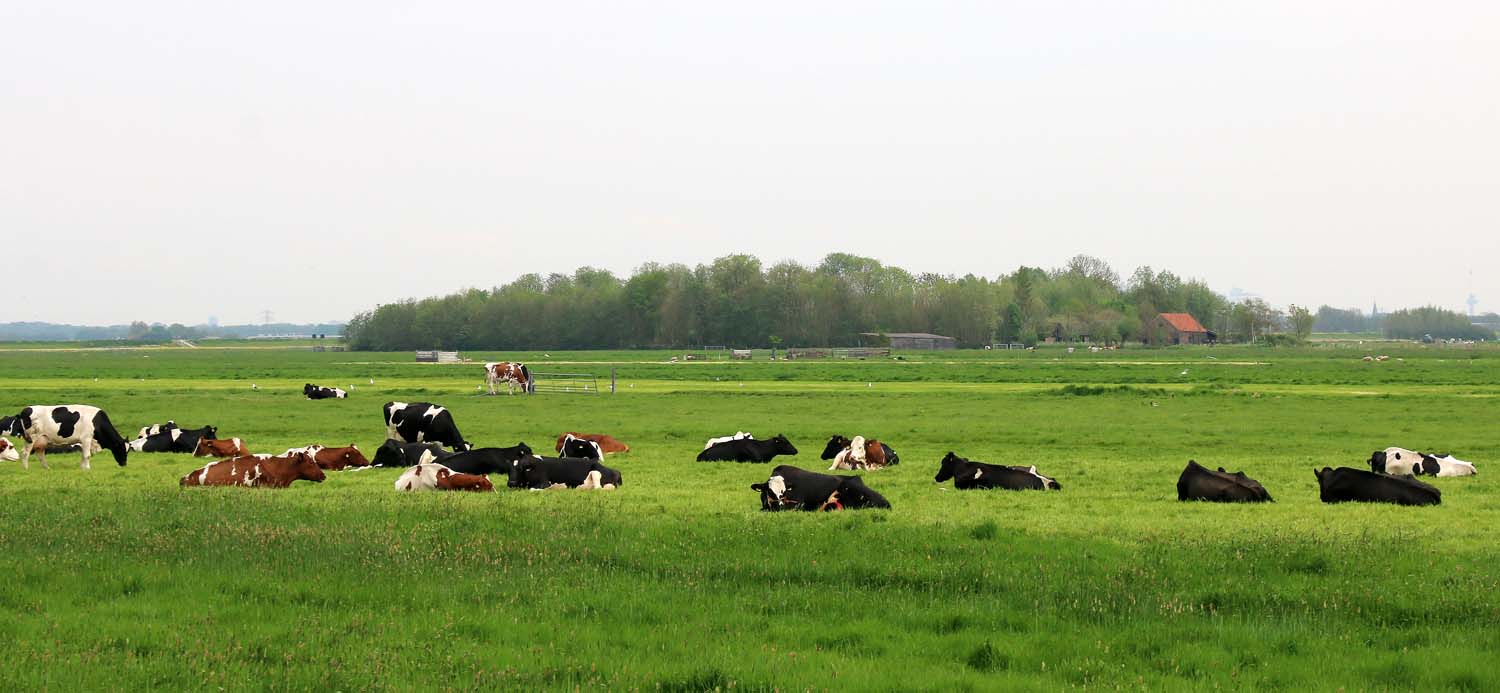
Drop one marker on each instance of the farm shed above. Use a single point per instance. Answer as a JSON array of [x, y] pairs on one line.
[[910, 340], [1177, 328]]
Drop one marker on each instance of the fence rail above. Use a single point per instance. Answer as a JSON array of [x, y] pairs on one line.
[[564, 383]]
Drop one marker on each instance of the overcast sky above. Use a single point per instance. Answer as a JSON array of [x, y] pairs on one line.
[[172, 161]]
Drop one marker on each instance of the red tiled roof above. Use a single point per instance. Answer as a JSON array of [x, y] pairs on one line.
[[1182, 322]]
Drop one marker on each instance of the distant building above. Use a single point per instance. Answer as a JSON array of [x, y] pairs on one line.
[[910, 340], [1177, 328]]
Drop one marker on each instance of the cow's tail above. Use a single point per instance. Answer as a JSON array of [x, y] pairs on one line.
[[109, 438]]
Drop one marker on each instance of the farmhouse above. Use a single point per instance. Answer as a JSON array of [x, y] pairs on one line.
[[910, 340], [1177, 328]]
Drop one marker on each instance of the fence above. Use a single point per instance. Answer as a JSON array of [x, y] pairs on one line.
[[437, 357], [851, 353], [564, 383]]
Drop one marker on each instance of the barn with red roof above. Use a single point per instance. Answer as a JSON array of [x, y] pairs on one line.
[[1178, 328]]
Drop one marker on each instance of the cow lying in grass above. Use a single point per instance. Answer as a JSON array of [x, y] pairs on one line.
[[967, 475], [1402, 462], [793, 488], [748, 450], [487, 460], [858, 453], [580, 448], [1200, 483], [209, 447], [546, 472], [739, 435], [334, 459], [1349, 484], [269, 472], [395, 453], [436, 477], [608, 445]]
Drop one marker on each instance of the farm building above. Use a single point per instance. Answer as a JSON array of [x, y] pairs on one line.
[[1177, 328], [910, 340]]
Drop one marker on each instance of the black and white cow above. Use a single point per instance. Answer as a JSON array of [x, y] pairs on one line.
[[422, 422], [748, 450], [1201, 483], [1349, 484], [394, 453], [545, 472], [43, 426], [581, 449], [8, 426], [738, 435], [312, 391], [153, 429], [1402, 462], [160, 441], [487, 460], [794, 488], [967, 474], [186, 440]]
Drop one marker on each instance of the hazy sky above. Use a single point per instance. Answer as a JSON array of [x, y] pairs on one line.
[[172, 161]]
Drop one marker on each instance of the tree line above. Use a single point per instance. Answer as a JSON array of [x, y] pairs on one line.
[[737, 301]]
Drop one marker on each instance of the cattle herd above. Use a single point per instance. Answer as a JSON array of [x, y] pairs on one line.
[[423, 440]]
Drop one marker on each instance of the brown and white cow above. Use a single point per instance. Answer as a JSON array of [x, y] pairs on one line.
[[231, 447], [248, 470], [8, 452], [607, 444], [858, 453], [436, 477], [336, 459], [512, 374]]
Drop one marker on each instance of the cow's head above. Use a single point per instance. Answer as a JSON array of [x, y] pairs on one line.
[[525, 471], [835, 445], [309, 389], [782, 446], [1323, 475], [853, 493], [523, 449], [1377, 461], [948, 467], [389, 455], [773, 494], [352, 457], [305, 467]]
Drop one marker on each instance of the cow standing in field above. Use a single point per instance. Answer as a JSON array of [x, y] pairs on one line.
[[436, 477], [421, 422], [793, 488], [43, 426], [748, 450], [1200, 483], [251, 471], [512, 374], [967, 475], [608, 445]]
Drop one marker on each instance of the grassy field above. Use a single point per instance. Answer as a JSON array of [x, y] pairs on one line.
[[119, 579]]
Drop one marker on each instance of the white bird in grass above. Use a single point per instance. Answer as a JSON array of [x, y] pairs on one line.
[[372, 381], [1184, 372]]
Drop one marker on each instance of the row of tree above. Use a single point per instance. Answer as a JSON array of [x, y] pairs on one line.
[[737, 301]]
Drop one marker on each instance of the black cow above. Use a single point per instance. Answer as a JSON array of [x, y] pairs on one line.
[[794, 488], [970, 475], [394, 453], [1350, 484], [837, 443], [486, 460], [312, 391], [748, 450], [581, 449], [423, 422], [1200, 483], [543, 472]]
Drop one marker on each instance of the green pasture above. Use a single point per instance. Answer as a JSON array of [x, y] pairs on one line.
[[119, 579]]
